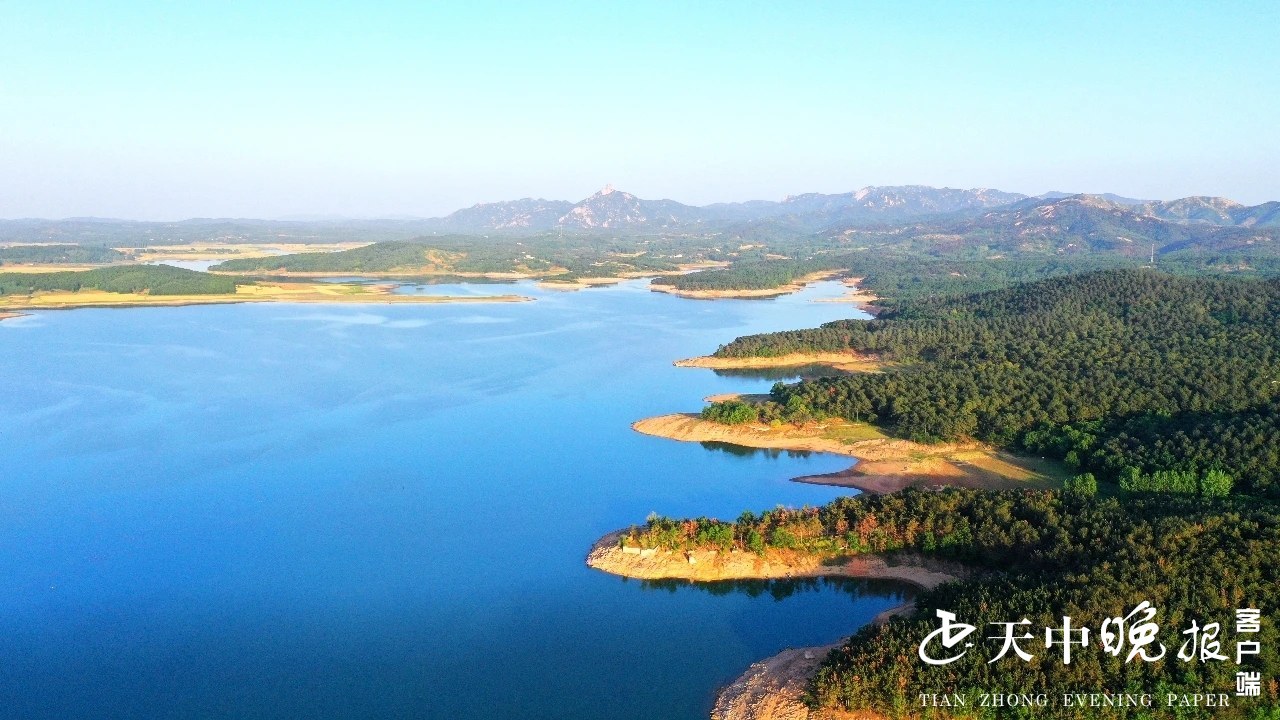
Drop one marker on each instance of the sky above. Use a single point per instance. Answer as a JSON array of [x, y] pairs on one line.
[[168, 110]]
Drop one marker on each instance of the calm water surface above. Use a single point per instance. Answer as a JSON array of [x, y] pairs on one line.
[[289, 511]]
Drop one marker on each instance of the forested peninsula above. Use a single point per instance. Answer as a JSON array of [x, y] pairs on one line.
[[1157, 391], [1146, 380], [1036, 555]]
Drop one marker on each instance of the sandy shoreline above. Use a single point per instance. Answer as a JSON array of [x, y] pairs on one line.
[[408, 273], [579, 283], [884, 464], [844, 361], [711, 565], [329, 293], [772, 689], [38, 268]]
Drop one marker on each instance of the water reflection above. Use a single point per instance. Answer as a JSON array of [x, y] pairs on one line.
[[781, 589], [785, 374], [744, 451]]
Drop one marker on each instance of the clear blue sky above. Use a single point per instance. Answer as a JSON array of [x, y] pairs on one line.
[[162, 110]]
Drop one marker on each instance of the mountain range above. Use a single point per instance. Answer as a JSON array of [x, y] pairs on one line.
[[1089, 223], [933, 217], [615, 210], [611, 209]]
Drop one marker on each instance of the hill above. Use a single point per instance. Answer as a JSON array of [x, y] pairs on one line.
[[1071, 225], [379, 257], [151, 279], [618, 210], [1214, 211], [1109, 370], [60, 254]]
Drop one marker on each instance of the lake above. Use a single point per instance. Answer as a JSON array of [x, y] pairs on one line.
[[311, 511]]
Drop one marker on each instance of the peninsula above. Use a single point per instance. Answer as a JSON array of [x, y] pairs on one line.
[[162, 285], [884, 464], [774, 688], [845, 361], [698, 292]]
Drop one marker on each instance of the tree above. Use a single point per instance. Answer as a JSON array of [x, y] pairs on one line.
[[1084, 485]]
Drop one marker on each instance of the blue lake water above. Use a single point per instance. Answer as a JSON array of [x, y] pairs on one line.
[[324, 511]]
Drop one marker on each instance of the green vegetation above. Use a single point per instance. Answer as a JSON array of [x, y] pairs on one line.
[[378, 257], [897, 277], [1164, 384], [731, 412], [1102, 369], [1050, 554], [60, 254], [736, 412], [559, 258], [1086, 485], [751, 275], [1223, 447], [152, 279]]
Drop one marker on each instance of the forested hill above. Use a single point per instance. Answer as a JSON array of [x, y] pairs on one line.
[[59, 254], [152, 279], [1054, 554], [757, 275], [1080, 224], [1108, 369], [378, 257]]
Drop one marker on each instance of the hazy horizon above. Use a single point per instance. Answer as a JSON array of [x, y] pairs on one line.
[[167, 112], [322, 217]]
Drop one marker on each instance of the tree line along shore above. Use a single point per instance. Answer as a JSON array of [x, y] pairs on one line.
[[1156, 396], [164, 285]]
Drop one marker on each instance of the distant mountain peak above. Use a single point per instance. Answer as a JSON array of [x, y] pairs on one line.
[[613, 209]]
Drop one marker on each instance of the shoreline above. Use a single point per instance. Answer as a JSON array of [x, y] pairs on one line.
[[855, 295], [884, 465], [794, 286], [607, 555], [412, 273], [326, 294], [580, 283], [407, 274], [773, 688], [848, 361]]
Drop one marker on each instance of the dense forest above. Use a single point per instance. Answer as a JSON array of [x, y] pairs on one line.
[[1118, 372], [1050, 554], [153, 279], [901, 277], [60, 254]]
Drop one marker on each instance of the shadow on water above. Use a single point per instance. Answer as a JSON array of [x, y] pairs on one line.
[[781, 589], [795, 372], [744, 451]]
